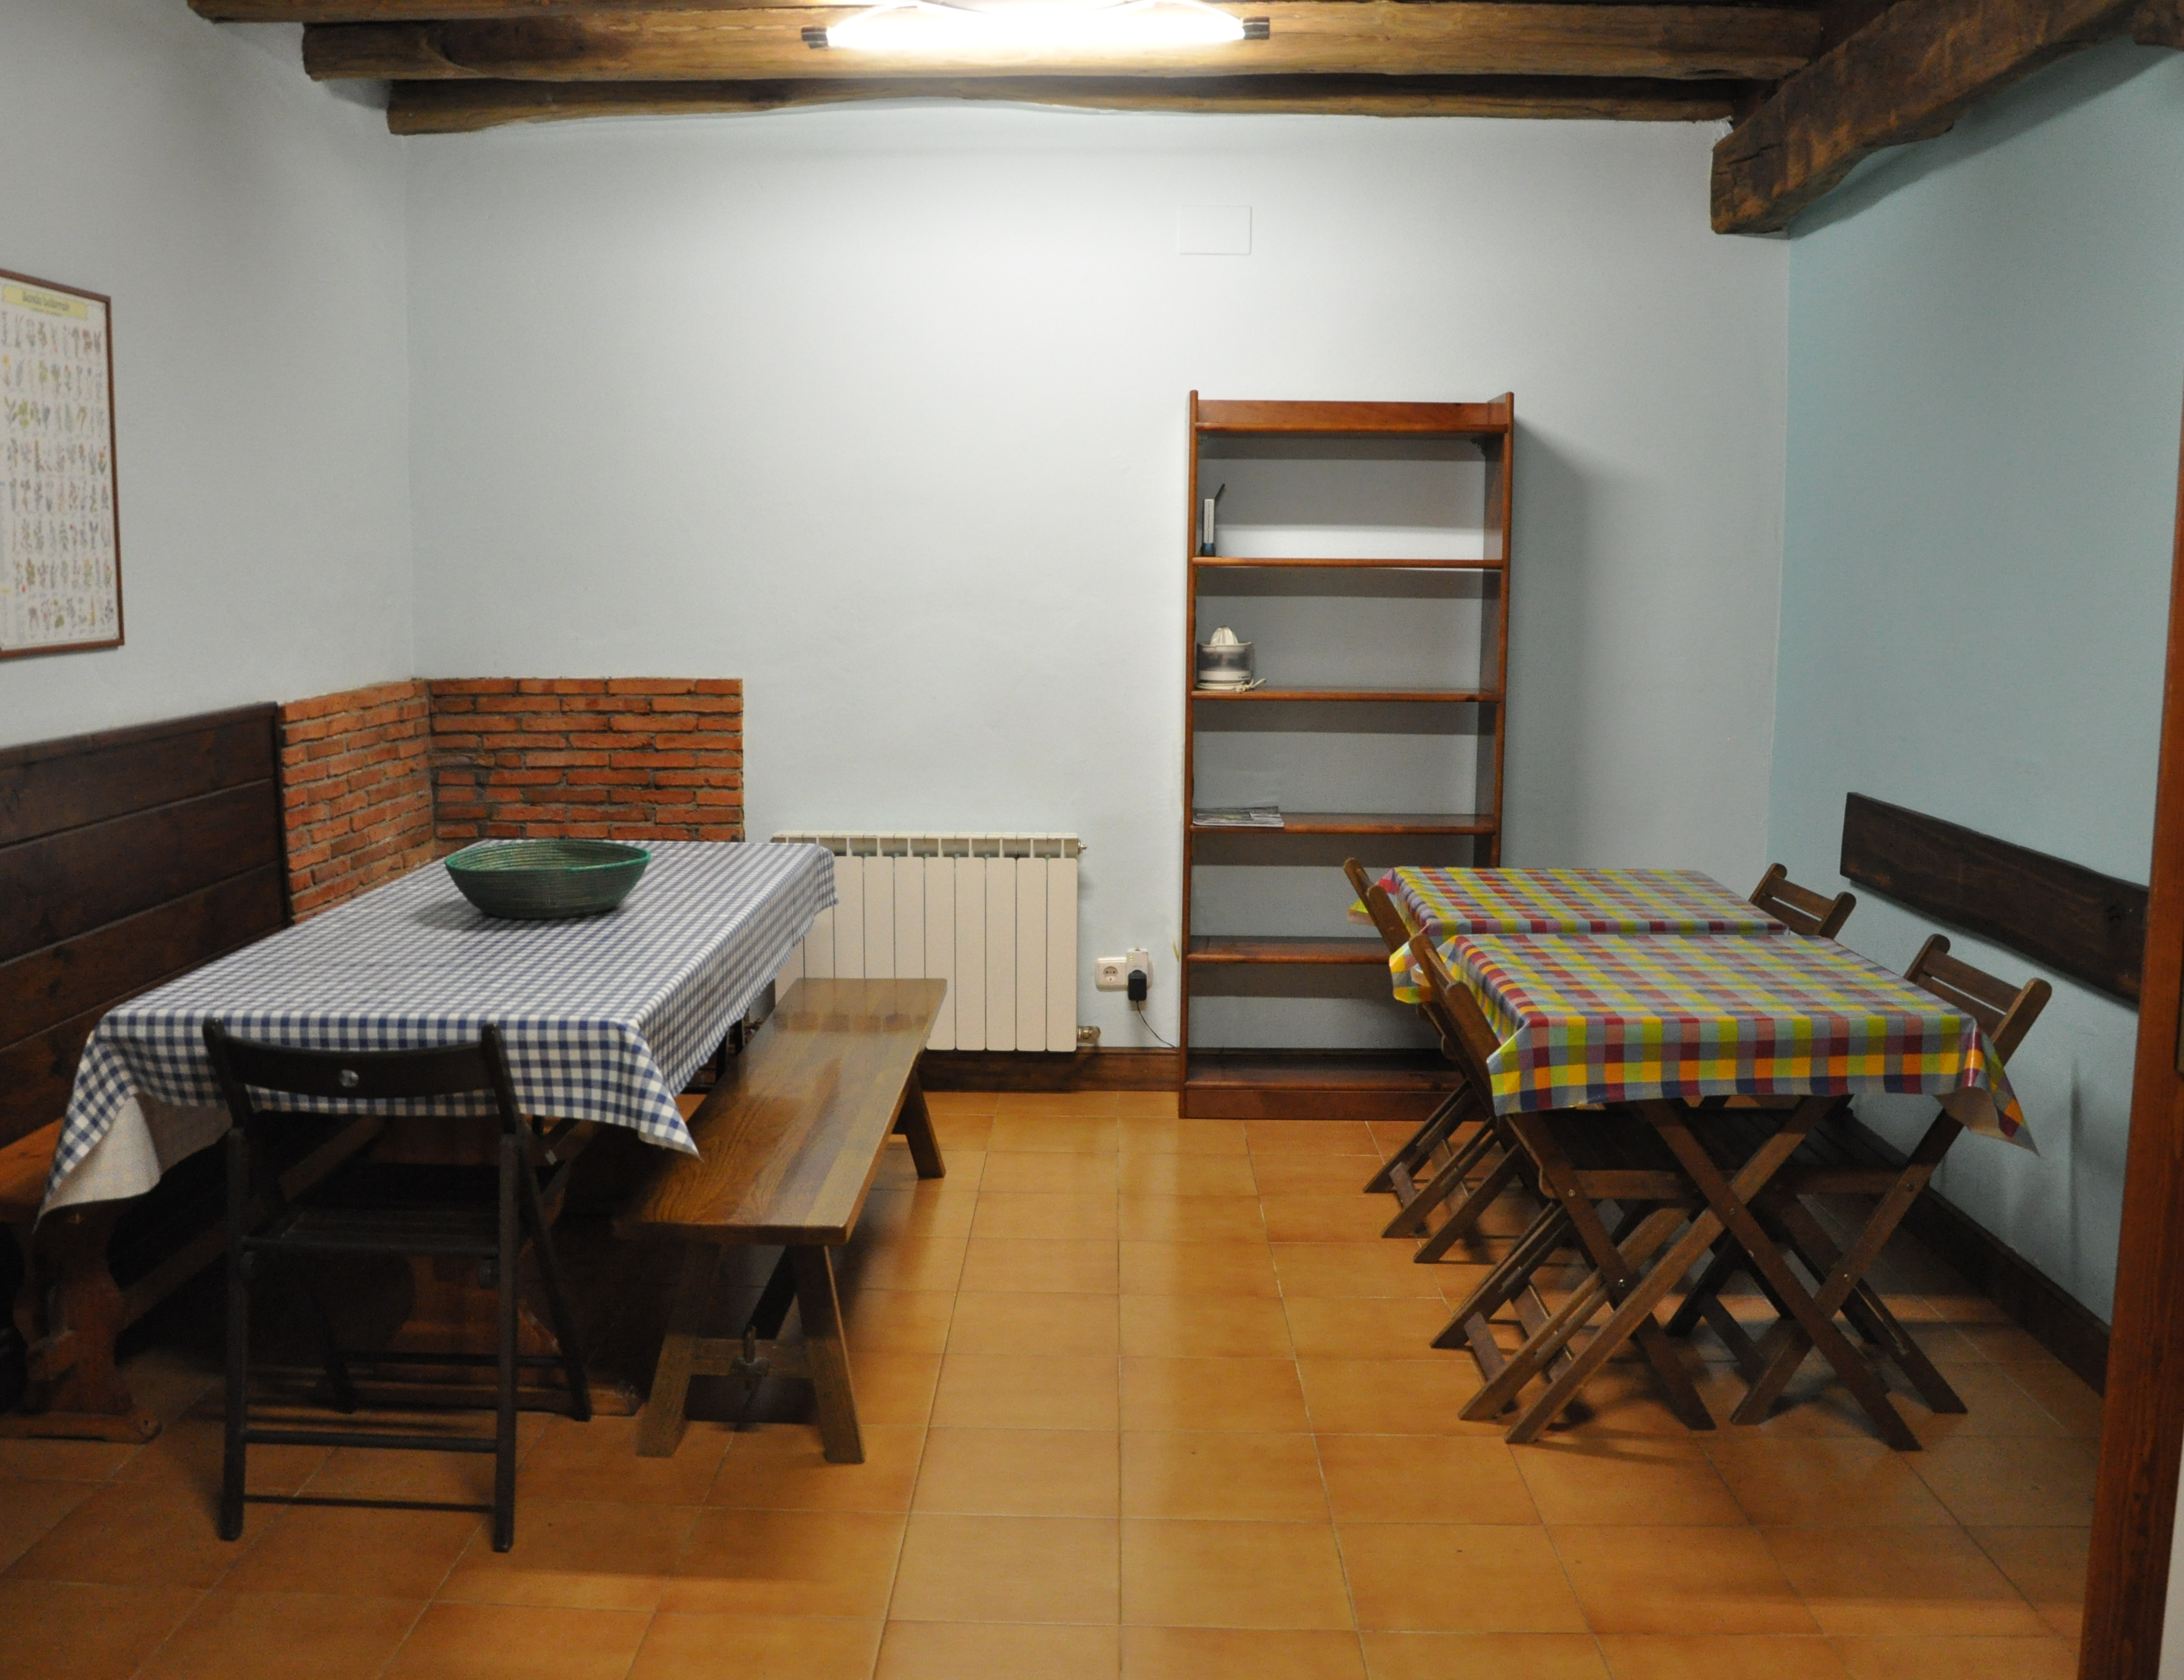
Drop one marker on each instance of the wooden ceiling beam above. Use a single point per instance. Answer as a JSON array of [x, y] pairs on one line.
[[1907, 75], [1368, 38], [467, 106]]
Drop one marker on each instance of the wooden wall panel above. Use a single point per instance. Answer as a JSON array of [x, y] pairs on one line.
[[2059, 914], [125, 858]]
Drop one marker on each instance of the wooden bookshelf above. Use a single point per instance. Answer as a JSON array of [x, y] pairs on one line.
[[1335, 1081]]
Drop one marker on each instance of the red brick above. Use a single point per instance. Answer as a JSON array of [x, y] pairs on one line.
[[608, 778], [519, 702], [727, 704], [722, 832], [650, 724], [540, 757], [650, 685], [718, 685], [719, 796], [525, 778], [471, 685]]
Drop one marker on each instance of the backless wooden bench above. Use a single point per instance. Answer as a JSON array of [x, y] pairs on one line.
[[788, 1145]]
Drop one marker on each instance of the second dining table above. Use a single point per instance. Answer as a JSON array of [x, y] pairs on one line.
[[1661, 1025]]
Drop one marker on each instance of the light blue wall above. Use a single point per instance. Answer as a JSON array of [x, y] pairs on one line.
[[1987, 350]]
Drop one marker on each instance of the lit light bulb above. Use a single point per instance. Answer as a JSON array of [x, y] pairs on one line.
[[935, 26]]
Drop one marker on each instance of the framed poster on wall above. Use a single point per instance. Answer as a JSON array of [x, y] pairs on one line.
[[60, 542]]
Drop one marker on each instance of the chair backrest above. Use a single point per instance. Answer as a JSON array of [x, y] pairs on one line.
[[1464, 1032], [1385, 917], [242, 1065], [2005, 1012], [1800, 908]]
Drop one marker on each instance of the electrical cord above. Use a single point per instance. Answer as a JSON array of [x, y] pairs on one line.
[[1144, 1021]]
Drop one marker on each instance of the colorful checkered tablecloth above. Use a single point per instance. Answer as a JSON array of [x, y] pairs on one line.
[[605, 1018], [1621, 1019], [1451, 902]]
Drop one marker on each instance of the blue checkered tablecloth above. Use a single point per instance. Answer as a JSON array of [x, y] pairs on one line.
[[605, 1018]]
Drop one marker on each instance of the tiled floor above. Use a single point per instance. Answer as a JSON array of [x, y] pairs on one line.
[[1143, 1397]]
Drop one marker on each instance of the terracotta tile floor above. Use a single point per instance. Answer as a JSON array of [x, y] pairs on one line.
[[1144, 1397]]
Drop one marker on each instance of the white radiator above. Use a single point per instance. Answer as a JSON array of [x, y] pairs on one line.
[[993, 915]]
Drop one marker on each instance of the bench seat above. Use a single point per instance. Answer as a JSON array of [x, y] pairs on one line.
[[789, 1143]]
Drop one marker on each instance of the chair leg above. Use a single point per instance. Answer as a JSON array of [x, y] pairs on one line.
[[1727, 1261], [1416, 1202], [234, 1447], [1470, 1208], [557, 1302], [512, 1161], [339, 1384], [1420, 1145]]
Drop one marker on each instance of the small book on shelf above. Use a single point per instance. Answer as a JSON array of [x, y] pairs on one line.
[[1239, 816]]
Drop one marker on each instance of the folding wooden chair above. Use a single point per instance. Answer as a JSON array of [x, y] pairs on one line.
[[1825, 1165], [1580, 1159], [1799, 909], [481, 1215], [1431, 1146]]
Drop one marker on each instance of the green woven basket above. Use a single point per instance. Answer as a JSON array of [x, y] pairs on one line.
[[542, 879]]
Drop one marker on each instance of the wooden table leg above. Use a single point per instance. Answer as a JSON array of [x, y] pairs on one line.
[[660, 1425], [1730, 1203], [915, 1123], [1558, 1178], [829, 1354], [1698, 1236]]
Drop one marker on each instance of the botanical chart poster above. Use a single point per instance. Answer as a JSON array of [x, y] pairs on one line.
[[60, 560]]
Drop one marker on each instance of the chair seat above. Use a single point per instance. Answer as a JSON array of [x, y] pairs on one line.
[[422, 1208]]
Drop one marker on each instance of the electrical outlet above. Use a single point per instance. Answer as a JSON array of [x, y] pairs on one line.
[[1112, 974]]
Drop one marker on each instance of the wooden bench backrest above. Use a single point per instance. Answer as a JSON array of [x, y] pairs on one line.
[[126, 858], [788, 1142]]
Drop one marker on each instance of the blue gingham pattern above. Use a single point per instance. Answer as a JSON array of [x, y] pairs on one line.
[[605, 1018]]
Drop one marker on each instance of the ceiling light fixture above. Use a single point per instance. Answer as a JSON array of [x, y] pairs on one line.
[[935, 26]]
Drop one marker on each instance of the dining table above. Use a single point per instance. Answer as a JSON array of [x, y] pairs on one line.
[[1449, 904], [605, 1018], [1666, 1028]]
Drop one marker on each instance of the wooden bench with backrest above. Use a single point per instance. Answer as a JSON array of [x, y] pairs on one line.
[[126, 858], [789, 1141]]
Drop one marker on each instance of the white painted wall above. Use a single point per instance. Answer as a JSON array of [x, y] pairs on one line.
[[882, 411], [248, 227]]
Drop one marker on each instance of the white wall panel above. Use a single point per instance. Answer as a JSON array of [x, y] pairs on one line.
[[1031, 953], [969, 953], [1062, 953], [879, 917], [997, 876], [848, 919], [939, 878]]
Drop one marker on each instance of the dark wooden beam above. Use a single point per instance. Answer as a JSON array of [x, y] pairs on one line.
[[1907, 76], [2060, 915], [465, 107], [1358, 37]]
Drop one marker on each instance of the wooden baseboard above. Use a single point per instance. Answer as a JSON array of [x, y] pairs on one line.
[[1036, 1070], [2041, 1307]]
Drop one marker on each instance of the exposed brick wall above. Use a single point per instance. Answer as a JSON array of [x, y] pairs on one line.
[[357, 791], [606, 759]]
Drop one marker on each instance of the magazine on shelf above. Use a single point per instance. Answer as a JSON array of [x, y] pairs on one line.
[[1239, 816]]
